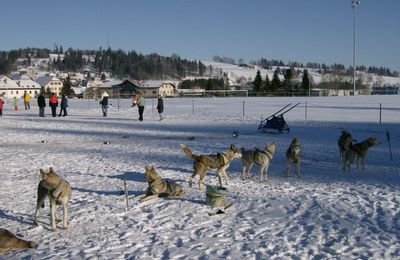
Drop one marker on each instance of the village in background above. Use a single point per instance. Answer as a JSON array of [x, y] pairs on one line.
[[220, 77]]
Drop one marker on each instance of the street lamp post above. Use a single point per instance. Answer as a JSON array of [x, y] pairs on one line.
[[354, 4]]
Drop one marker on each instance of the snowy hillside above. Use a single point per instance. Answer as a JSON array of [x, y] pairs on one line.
[[235, 73], [328, 214]]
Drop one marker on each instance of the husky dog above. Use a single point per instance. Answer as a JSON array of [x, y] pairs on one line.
[[261, 158], [293, 156], [344, 142], [9, 241], [215, 162], [359, 150], [159, 187], [59, 192]]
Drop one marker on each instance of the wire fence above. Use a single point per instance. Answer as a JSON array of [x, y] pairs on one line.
[[355, 108]]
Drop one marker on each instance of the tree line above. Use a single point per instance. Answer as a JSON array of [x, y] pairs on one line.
[[275, 86], [117, 62], [320, 67]]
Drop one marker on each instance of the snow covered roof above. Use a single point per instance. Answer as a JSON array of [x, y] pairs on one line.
[[151, 84], [43, 81]]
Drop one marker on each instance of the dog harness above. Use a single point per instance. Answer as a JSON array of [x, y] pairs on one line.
[[268, 153], [213, 159]]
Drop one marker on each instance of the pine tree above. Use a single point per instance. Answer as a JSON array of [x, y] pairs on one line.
[[287, 83], [305, 82], [257, 83], [67, 87], [276, 82], [267, 84]]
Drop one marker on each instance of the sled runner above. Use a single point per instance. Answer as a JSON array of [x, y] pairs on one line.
[[276, 121]]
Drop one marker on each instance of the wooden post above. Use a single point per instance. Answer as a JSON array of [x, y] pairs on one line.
[[126, 195], [380, 113], [390, 147], [306, 111], [243, 108]]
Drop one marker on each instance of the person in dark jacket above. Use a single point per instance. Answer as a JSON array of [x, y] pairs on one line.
[[104, 103], [41, 104], [64, 105], [1, 106], [53, 103], [160, 106]]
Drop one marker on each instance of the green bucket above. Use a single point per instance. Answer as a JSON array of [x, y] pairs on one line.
[[216, 196]]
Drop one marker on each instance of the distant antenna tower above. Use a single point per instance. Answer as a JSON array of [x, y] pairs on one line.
[[108, 41]]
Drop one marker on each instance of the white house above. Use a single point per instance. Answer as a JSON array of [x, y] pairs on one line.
[[9, 88], [50, 83], [153, 88], [27, 84]]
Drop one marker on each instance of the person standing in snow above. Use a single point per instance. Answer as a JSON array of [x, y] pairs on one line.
[[27, 98], [63, 105], [41, 104], [104, 103], [140, 104], [1, 106], [15, 103], [160, 106], [53, 103]]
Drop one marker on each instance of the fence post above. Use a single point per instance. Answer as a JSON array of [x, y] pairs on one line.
[[243, 108], [380, 113], [306, 112], [152, 105], [193, 107], [119, 97], [126, 195]]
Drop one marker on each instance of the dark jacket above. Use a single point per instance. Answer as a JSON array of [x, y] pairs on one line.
[[64, 102], [41, 100], [160, 105], [104, 101]]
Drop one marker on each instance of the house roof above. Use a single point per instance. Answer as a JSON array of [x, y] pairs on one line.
[[43, 81], [111, 83], [7, 84], [151, 84]]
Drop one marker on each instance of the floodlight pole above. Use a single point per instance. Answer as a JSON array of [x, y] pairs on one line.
[[354, 4]]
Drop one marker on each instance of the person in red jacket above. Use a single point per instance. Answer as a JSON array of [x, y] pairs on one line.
[[53, 103]]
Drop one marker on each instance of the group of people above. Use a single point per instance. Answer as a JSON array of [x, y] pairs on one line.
[[53, 104], [137, 100]]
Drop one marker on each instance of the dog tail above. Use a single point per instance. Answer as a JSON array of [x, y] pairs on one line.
[[188, 152]]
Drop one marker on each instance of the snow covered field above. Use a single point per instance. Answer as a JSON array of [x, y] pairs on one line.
[[329, 213]]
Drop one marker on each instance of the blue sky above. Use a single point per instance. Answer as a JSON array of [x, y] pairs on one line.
[[290, 30]]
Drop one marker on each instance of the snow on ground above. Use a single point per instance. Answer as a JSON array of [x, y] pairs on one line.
[[329, 213]]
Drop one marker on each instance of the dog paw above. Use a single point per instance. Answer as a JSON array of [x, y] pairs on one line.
[[64, 228]]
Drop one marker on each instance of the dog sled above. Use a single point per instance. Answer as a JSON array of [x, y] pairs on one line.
[[276, 121]]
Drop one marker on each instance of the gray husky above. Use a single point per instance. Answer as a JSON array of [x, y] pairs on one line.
[[344, 142], [359, 151], [59, 192], [293, 156], [157, 187], [261, 158], [215, 162], [9, 241]]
